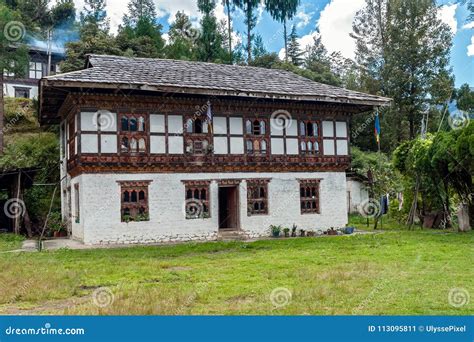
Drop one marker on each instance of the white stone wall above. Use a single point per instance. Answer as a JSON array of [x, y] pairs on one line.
[[100, 221]]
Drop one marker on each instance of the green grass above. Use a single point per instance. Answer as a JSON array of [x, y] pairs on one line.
[[396, 272], [10, 242]]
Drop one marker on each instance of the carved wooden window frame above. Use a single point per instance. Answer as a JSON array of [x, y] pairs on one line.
[[308, 142], [197, 199], [126, 137], [197, 143], [254, 139], [310, 196], [134, 201], [257, 197]]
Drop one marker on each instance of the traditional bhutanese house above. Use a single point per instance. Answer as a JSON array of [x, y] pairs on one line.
[[142, 162]]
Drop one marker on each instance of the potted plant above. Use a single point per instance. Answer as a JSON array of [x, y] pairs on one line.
[[275, 230], [332, 231], [286, 231], [293, 230], [56, 225], [310, 233], [302, 233]]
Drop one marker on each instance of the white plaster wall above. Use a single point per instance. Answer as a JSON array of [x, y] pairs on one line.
[[100, 207], [358, 194], [9, 89]]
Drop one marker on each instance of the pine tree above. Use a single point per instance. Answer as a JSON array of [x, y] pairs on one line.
[[294, 51], [259, 49], [249, 7], [210, 41], [317, 60], [182, 38], [140, 35]]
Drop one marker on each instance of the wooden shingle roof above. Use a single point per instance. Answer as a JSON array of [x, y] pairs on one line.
[[207, 79]]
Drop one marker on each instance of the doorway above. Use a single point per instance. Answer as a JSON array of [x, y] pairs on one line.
[[229, 207]]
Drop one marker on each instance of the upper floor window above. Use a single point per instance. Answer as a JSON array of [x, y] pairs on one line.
[[309, 136], [196, 126], [256, 141], [36, 70], [133, 137], [255, 127]]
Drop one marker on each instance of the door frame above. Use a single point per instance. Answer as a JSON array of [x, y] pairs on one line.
[[236, 186]]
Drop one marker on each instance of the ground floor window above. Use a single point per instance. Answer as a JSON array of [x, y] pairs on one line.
[[309, 196], [134, 201], [257, 197], [197, 199], [22, 92]]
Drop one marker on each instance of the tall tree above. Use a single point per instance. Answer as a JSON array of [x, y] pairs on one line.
[[403, 53], [93, 17], [283, 10], [210, 41], [249, 7], [294, 50], [317, 60], [229, 7]]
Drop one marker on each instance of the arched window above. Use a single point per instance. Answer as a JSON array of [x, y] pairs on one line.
[[249, 146], [141, 124], [263, 147], [141, 145], [302, 128], [198, 126], [262, 127], [124, 123], [203, 194], [133, 125], [303, 146], [189, 126], [309, 129], [133, 145], [133, 197], [248, 127], [126, 196], [124, 144], [141, 195]]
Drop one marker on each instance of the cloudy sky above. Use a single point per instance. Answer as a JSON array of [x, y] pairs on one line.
[[333, 18]]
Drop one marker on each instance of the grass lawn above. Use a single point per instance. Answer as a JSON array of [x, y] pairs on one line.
[[395, 272], [9, 242]]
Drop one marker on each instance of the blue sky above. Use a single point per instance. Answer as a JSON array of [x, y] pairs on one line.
[[333, 18]]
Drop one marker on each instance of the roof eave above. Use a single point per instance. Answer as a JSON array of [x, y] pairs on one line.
[[380, 101]]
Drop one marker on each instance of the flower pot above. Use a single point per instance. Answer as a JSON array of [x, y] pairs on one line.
[[348, 230], [276, 234], [332, 232]]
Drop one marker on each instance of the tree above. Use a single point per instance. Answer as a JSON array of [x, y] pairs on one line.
[[210, 41], [465, 98], [249, 7], [317, 60], [230, 7], [140, 35], [259, 47], [12, 60], [402, 51], [283, 11], [182, 38], [294, 51], [94, 37]]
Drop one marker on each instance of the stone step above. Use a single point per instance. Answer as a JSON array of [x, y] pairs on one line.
[[231, 235]]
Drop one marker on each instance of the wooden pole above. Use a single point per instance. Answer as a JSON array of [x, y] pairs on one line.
[[16, 224]]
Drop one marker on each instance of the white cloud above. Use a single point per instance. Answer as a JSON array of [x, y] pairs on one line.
[[335, 25], [447, 14], [468, 26], [470, 47], [303, 19]]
